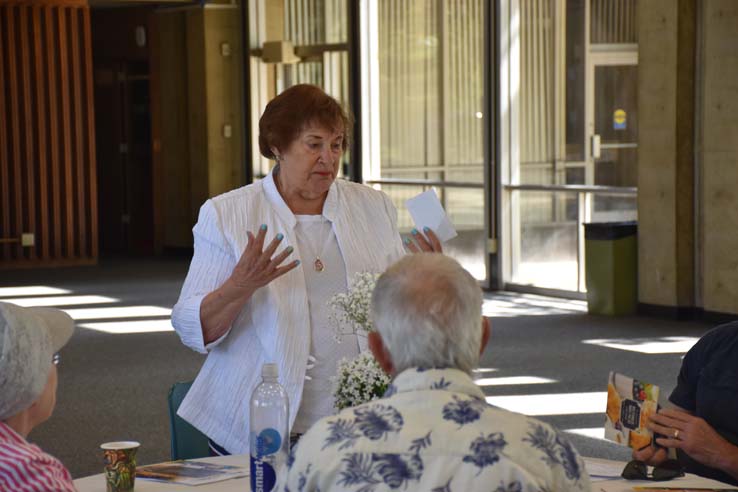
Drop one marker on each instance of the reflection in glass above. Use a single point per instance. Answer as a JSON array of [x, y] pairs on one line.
[[431, 93], [574, 82], [537, 94], [547, 253], [613, 21], [617, 167], [614, 208], [616, 103]]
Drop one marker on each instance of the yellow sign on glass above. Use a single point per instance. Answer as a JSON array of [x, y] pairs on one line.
[[619, 119]]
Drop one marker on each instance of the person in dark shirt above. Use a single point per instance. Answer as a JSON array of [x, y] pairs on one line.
[[703, 425]]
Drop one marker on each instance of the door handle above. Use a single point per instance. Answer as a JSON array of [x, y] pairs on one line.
[[596, 152]]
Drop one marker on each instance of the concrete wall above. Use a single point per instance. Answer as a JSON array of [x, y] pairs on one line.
[[719, 156], [688, 154], [200, 91], [662, 157]]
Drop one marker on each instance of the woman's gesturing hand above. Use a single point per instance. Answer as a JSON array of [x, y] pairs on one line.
[[255, 269], [424, 243], [257, 265]]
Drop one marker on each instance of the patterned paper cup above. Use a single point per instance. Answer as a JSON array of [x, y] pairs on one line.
[[120, 465]]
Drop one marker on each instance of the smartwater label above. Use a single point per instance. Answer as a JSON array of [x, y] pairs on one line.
[[263, 477]]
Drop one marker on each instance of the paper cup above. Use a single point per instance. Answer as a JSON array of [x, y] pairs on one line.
[[120, 465]]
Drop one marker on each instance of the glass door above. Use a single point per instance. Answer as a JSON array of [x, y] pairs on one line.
[[614, 134], [568, 91], [424, 114]]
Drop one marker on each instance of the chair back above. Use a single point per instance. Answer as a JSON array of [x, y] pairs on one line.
[[187, 442]]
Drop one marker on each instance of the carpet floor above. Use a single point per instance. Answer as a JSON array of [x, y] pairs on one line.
[[547, 357]]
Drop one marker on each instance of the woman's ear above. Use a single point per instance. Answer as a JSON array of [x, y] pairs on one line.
[[376, 345]]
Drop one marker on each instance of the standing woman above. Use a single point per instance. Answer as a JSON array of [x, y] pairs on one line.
[[268, 258]]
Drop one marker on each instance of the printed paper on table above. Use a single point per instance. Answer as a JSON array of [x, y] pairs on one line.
[[190, 472]]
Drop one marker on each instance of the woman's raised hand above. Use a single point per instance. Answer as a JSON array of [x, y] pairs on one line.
[[258, 266], [424, 243]]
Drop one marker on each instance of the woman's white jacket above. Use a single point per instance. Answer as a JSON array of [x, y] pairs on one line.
[[273, 326]]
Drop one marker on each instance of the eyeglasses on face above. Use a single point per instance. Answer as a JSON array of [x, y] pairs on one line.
[[56, 359], [638, 470]]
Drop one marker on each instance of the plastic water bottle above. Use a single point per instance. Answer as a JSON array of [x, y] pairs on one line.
[[269, 439]]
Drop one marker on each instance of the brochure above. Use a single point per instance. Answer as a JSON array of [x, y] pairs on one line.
[[630, 403], [190, 472]]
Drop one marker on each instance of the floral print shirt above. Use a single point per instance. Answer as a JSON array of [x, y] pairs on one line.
[[433, 431]]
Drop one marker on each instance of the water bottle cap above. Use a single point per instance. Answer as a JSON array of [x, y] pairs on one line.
[[270, 370]]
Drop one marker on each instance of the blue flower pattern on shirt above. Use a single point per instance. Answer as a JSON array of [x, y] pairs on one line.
[[429, 435], [441, 384], [421, 443], [395, 470], [377, 421], [557, 450], [485, 451], [464, 411], [342, 431]]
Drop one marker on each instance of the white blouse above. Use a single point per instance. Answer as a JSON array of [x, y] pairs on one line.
[[273, 325], [316, 239]]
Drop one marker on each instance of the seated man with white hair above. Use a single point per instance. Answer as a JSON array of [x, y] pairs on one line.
[[29, 341], [432, 430]]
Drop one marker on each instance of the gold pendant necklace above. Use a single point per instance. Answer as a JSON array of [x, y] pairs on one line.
[[318, 264]]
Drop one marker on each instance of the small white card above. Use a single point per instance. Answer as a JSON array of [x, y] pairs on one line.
[[426, 211]]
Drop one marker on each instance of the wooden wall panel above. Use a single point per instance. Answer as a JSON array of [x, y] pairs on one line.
[[47, 151]]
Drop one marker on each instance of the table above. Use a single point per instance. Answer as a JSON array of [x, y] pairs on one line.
[[605, 476], [96, 483]]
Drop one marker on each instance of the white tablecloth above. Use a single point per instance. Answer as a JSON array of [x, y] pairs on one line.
[[605, 478]]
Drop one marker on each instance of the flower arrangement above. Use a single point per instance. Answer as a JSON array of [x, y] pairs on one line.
[[351, 310], [358, 381], [361, 379]]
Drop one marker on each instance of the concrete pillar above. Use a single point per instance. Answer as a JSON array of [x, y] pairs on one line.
[[719, 156], [666, 32]]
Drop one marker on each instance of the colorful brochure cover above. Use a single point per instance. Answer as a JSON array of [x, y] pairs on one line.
[[189, 472], [630, 403]]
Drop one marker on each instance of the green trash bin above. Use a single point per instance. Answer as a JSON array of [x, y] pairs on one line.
[[611, 267]]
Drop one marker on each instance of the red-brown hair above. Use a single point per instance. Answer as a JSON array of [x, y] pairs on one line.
[[293, 110]]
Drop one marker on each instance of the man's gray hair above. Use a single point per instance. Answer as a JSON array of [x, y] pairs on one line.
[[427, 309]]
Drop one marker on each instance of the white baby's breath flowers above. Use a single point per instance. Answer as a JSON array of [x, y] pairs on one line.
[[358, 381], [361, 379], [351, 313]]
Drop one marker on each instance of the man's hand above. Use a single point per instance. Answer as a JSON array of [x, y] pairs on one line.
[[651, 455], [695, 437]]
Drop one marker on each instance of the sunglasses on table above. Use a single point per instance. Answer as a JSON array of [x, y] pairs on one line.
[[638, 470]]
